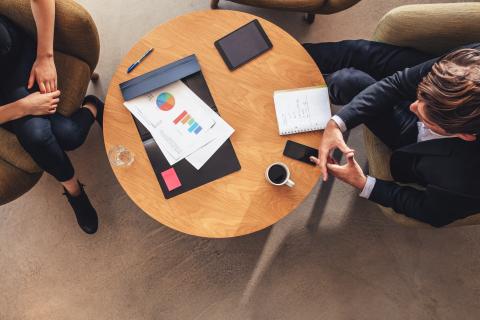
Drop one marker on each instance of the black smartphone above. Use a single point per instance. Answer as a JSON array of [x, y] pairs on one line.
[[243, 44], [300, 152]]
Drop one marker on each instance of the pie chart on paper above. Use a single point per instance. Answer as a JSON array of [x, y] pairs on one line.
[[165, 101]]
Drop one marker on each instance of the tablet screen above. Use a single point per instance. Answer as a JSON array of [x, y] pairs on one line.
[[243, 44]]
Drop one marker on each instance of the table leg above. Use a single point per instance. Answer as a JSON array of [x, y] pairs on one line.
[[214, 4], [94, 77], [309, 17]]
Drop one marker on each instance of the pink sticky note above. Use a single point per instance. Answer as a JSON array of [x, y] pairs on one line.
[[171, 179]]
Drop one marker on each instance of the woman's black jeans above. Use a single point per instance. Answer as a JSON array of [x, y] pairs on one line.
[[45, 138]]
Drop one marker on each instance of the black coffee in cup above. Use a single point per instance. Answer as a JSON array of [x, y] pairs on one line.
[[277, 174]]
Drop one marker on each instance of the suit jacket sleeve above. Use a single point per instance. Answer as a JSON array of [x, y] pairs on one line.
[[433, 206], [383, 95]]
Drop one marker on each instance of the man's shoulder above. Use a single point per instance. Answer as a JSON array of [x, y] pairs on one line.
[[449, 164], [464, 148], [464, 167]]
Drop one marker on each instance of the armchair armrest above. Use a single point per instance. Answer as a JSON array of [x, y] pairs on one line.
[[13, 153], [432, 28], [313, 6], [333, 6], [296, 5]]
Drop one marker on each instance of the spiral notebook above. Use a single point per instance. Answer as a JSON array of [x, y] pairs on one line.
[[302, 110]]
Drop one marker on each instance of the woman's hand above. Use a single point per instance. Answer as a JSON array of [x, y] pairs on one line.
[[38, 104], [44, 73], [332, 139]]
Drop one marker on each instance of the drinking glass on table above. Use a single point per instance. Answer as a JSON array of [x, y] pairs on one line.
[[120, 156]]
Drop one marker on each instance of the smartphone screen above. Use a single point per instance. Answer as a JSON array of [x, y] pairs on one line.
[[243, 44], [300, 152]]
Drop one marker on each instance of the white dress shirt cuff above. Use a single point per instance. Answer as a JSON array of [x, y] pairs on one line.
[[367, 189], [340, 123]]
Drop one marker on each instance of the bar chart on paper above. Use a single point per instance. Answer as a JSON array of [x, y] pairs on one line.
[[179, 121], [189, 122]]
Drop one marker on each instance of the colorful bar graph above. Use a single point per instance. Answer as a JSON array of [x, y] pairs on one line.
[[177, 119], [185, 118], [192, 127]]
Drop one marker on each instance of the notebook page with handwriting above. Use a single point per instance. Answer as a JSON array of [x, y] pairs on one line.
[[302, 110]]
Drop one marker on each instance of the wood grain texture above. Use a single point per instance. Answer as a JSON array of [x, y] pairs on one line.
[[242, 202]]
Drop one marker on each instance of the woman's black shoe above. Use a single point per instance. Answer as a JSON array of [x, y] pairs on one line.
[[98, 104], [86, 215]]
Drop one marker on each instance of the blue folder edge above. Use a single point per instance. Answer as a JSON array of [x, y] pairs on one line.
[[159, 77]]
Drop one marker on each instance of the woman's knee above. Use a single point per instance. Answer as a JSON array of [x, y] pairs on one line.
[[68, 135], [346, 83], [71, 142], [35, 133]]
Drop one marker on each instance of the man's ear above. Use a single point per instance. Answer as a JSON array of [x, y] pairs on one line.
[[467, 136]]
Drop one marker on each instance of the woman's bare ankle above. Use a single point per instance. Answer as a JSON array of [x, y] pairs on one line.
[[72, 186]]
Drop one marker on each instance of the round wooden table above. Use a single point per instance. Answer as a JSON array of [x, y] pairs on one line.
[[242, 202]]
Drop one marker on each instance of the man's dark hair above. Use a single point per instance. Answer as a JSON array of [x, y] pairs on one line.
[[451, 92]]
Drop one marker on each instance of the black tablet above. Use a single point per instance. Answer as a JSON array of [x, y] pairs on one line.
[[243, 44]]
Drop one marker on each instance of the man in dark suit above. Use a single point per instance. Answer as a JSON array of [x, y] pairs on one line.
[[426, 109]]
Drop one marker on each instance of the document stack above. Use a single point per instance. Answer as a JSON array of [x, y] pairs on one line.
[[182, 125]]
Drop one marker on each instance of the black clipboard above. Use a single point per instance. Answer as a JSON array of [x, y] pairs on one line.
[[222, 163]]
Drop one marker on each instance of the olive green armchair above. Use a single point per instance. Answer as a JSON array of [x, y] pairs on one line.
[[310, 7], [77, 48], [433, 28]]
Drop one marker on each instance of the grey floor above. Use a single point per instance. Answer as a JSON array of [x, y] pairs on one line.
[[332, 258]]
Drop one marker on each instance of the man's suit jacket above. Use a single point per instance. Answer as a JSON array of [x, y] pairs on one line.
[[448, 169]]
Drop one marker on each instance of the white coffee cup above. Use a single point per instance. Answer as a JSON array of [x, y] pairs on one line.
[[278, 174]]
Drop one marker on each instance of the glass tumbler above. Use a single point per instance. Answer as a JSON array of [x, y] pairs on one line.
[[120, 156]]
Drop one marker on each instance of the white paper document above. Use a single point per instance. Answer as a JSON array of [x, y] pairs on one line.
[[302, 110], [181, 124], [222, 130]]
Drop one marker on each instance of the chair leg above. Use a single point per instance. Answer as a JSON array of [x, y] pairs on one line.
[[94, 77], [309, 17], [214, 4]]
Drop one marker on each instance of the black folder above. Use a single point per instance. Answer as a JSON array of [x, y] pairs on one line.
[[222, 163]]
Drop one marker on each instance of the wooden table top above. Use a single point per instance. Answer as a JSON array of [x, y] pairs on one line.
[[242, 202]]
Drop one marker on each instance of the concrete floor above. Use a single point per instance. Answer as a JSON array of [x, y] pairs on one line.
[[345, 262]]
